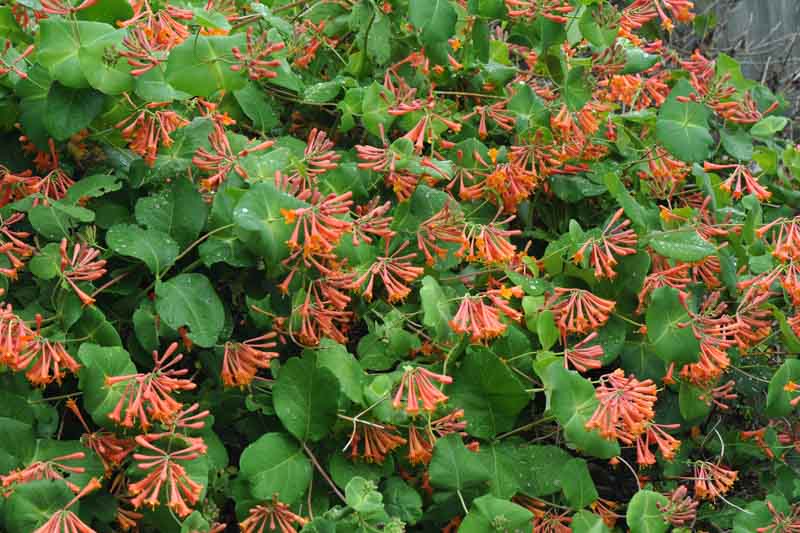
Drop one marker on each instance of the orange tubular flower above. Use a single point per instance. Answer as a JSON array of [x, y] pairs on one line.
[[578, 310], [164, 470], [379, 441], [60, 7], [393, 270], [146, 130], [481, 320], [740, 173], [617, 238], [655, 435], [322, 230], [372, 221], [488, 243], [443, 227], [318, 158], [625, 403], [253, 60], [13, 247], [49, 469], [418, 382], [6, 67], [420, 449], [269, 515], [14, 336], [111, 449], [64, 520], [584, 357], [45, 360], [242, 360], [712, 480], [81, 266], [676, 277], [147, 395], [221, 160], [545, 520], [554, 10], [320, 316], [681, 509]]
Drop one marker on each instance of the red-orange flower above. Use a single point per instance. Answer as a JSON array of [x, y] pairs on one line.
[[378, 442], [681, 509], [395, 271], [254, 60], [64, 520], [271, 516], [148, 395], [741, 174], [12, 245], [578, 310], [489, 243], [221, 160], [147, 129], [45, 360], [625, 403], [616, 239], [712, 480], [242, 360], [417, 380], [54, 468], [481, 320], [163, 470], [584, 357], [111, 450], [82, 265]]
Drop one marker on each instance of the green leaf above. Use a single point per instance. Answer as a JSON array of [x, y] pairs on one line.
[[32, 504], [691, 403], [178, 211], [109, 76], [778, 398], [375, 102], [276, 464], [577, 484], [538, 468], [260, 224], [47, 263], [93, 327], [201, 66], [335, 357], [402, 501], [454, 467], [154, 248], [769, 126], [546, 329], [683, 127], [632, 208], [489, 394], [488, 514], [669, 328], [70, 110], [572, 402], [305, 398], [643, 515], [100, 362], [379, 40], [93, 186], [683, 245], [361, 496], [505, 474], [109, 11], [738, 144], [586, 522], [190, 300], [322, 92], [434, 19], [255, 105], [59, 44], [436, 308]]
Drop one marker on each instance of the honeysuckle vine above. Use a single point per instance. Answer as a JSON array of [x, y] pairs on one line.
[[402, 265]]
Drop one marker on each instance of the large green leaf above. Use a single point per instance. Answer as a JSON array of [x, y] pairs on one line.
[[105, 75], [436, 308], [178, 211], [344, 366], [100, 362], [778, 398], [643, 515], [435, 20], [276, 464], [489, 514], [33, 503], [455, 467], [260, 224], [70, 110], [201, 65], [669, 328], [505, 472], [305, 398], [682, 127], [683, 245], [572, 402], [402, 501], [190, 300], [489, 394], [577, 484], [155, 249], [538, 468]]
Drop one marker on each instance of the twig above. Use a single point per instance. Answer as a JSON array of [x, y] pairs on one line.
[[324, 474]]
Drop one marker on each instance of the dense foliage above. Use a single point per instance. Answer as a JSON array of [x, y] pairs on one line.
[[363, 265]]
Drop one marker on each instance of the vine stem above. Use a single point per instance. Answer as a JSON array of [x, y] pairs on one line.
[[323, 473]]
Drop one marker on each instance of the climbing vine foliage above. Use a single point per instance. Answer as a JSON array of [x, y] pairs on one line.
[[402, 265]]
